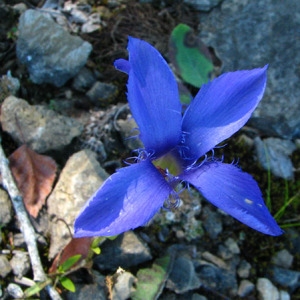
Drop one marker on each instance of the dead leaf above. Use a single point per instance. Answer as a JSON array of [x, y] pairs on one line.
[[76, 246], [34, 174]]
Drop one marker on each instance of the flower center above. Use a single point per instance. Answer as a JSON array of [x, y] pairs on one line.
[[168, 163]]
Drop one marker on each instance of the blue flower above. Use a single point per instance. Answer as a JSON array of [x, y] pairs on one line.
[[175, 149]]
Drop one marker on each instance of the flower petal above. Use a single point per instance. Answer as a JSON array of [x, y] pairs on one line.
[[126, 200], [221, 108], [235, 192], [122, 65], [153, 97]]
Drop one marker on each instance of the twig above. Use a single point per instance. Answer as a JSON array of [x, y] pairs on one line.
[[25, 224]]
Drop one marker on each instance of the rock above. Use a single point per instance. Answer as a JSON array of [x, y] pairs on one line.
[[247, 34], [42, 129], [284, 295], [183, 277], [245, 288], [50, 53], [102, 94], [273, 154], [123, 286], [232, 245], [84, 80], [8, 86], [266, 290], [20, 264], [5, 267], [96, 290], [286, 278], [202, 5], [6, 211], [217, 279], [93, 23], [283, 259], [127, 250], [129, 132], [212, 222], [198, 297], [244, 269], [78, 181], [214, 259], [15, 291]]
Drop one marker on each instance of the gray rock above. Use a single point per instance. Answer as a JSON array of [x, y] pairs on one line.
[[78, 181], [20, 263], [50, 53], [42, 128], [287, 278], [183, 277], [96, 290], [202, 5], [283, 258], [232, 245], [127, 250], [252, 33], [273, 154], [266, 290], [245, 288], [212, 222], [284, 295], [8, 86], [217, 279], [128, 131], [102, 94], [6, 211], [84, 80], [123, 286], [198, 297], [243, 269], [5, 267], [15, 291], [214, 259]]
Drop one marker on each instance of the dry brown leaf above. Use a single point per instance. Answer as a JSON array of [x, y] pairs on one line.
[[76, 246], [34, 174]]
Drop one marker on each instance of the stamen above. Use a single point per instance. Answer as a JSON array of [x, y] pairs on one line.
[[172, 202]]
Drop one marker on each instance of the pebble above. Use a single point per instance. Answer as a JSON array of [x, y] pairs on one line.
[[243, 269], [245, 288], [20, 263], [273, 154], [232, 245], [266, 289], [202, 5], [183, 277], [127, 250], [6, 211], [286, 278], [212, 222], [102, 94], [5, 267], [123, 286], [283, 259], [15, 291]]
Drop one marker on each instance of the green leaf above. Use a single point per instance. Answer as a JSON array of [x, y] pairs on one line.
[[96, 250], [151, 281], [35, 289], [69, 263], [68, 284], [190, 56]]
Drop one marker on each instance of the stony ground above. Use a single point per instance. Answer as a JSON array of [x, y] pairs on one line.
[[74, 111]]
